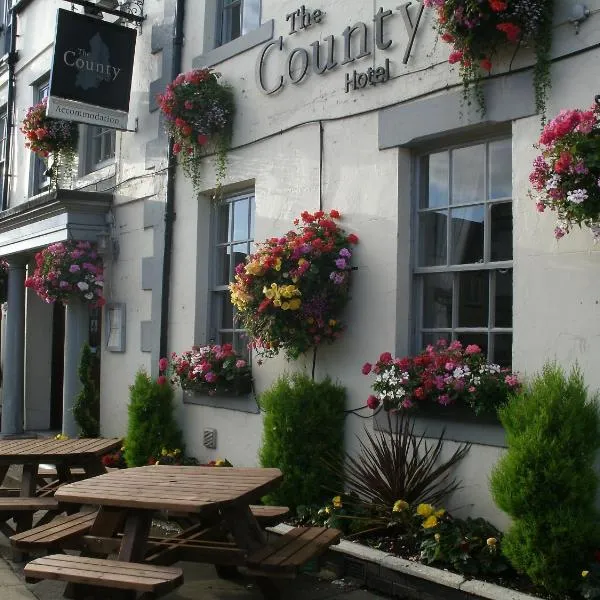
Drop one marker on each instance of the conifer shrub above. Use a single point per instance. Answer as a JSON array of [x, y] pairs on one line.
[[151, 425], [86, 408], [303, 425], [546, 481]]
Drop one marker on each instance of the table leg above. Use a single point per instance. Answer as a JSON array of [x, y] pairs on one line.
[[94, 468], [24, 520], [135, 536], [249, 535], [3, 472]]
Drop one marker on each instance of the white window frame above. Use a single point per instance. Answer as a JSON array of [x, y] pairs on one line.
[[247, 23], [495, 267], [217, 332], [39, 183], [90, 162], [3, 134]]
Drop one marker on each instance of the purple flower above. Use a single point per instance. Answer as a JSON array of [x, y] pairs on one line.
[[337, 278], [345, 253], [210, 377], [90, 267], [340, 263], [63, 284], [74, 268]]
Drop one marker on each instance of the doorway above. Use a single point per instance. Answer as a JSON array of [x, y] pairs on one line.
[[58, 364]]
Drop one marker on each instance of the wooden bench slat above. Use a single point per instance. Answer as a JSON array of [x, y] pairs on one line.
[[58, 530], [293, 550], [26, 503], [105, 573]]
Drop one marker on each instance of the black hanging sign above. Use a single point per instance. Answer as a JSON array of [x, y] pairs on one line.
[[91, 71]]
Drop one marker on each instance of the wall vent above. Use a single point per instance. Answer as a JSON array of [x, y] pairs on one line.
[[210, 438]]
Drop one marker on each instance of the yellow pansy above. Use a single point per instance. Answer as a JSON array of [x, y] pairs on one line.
[[437, 537], [585, 573], [337, 502], [219, 462], [430, 522], [271, 292], [327, 510], [425, 510], [278, 264], [400, 505], [492, 541], [295, 304]]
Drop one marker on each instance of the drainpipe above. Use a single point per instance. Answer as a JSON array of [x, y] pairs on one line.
[[170, 201], [10, 103]]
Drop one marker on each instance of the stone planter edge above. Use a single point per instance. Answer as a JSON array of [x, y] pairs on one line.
[[396, 576]]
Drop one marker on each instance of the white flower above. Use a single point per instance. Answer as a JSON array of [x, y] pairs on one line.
[[577, 196], [88, 296], [553, 182], [83, 286]]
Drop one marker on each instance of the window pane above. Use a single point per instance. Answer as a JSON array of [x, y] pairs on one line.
[[432, 339], [504, 298], [225, 311], [240, 252], [437, 300], [468, 175], [240, 344], [225, 338], [500, 169], [467, 235], [252, 216], [479, 339], [473, 299], [503, 349], [223, 223], [240, 220], [232, 21], [222, 266], [501, 231], [432, 236], [435, 178]]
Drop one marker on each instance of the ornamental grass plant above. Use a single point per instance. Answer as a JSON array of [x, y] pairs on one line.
[[546, 481], [151, 426], [303, 423]]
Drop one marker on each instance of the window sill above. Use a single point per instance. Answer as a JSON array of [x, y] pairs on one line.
[[460, 425], [105, 171], [244, 403], [222, 53]]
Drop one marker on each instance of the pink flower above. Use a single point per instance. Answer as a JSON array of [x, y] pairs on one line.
[[472, 349], [372, 402], [511, 380], [163, 364], [240, 364], [161, 380], [176, 148], [210, 377], [385, 358], [455, 57], [366, 368]]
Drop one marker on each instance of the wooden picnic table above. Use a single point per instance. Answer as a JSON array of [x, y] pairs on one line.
[[224, 531]]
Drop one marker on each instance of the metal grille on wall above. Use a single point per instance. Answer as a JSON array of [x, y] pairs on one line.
[[128, 10]]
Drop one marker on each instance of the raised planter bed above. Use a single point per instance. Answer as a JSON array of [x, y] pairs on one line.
[[400, 578]]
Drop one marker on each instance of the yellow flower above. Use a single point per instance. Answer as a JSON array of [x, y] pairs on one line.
[[400, 505], [437, 537], [585, 573], [61, 437], [285, 305], [332, 322], [337, 502], [219, 462], [254, 268], [164, 452], [295, 304], [327, 510], [425, 510], [271, 293], [310, 320], [430, 522], [492, 541]]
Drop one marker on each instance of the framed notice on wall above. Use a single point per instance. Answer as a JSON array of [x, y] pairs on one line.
[[91, 71], [115, 327]]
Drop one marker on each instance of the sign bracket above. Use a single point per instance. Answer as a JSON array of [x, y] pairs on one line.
[[130, 10]]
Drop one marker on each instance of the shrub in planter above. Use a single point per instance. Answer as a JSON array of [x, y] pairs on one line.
[[546, 481], [477, 30], [209, 370], [291, 292], [566, 175], [68, 271], [442, 374], [151, 425], [86, 408], [199, 116], [303, 423], [48, 137]]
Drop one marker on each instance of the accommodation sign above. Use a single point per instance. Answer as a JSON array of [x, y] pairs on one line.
[[91, 71], [279, 64]]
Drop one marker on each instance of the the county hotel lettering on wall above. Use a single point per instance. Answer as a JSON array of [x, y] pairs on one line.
[[355, 42], [91, 71]]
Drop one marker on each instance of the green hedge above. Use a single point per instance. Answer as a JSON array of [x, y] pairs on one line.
[[303, 425], [152, 425], [546, 481], [86, 408]]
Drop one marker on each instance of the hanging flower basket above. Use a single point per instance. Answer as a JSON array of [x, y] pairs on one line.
[[68, 271], [51, 139], [199, 116], [477, 29], [212, 370], [566, 175], [290, 293], [444, 375]]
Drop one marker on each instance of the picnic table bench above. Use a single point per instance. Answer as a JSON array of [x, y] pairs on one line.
[[227, 531]]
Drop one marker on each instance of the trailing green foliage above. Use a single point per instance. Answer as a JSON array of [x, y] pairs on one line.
[[304, 422], [151, 426], [86, 408], [546, 481]]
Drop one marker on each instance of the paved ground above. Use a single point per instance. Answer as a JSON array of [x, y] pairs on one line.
[[200, 582]]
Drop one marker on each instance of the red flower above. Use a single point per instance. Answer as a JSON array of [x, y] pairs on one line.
[[372, 402], [334, 214], [366, 369], [511, 30], [486, 64], [455, 57], [352, 239], [498, 5], [385, 358], [176, 148], [161, 380], [448, 38], [202, 139]]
